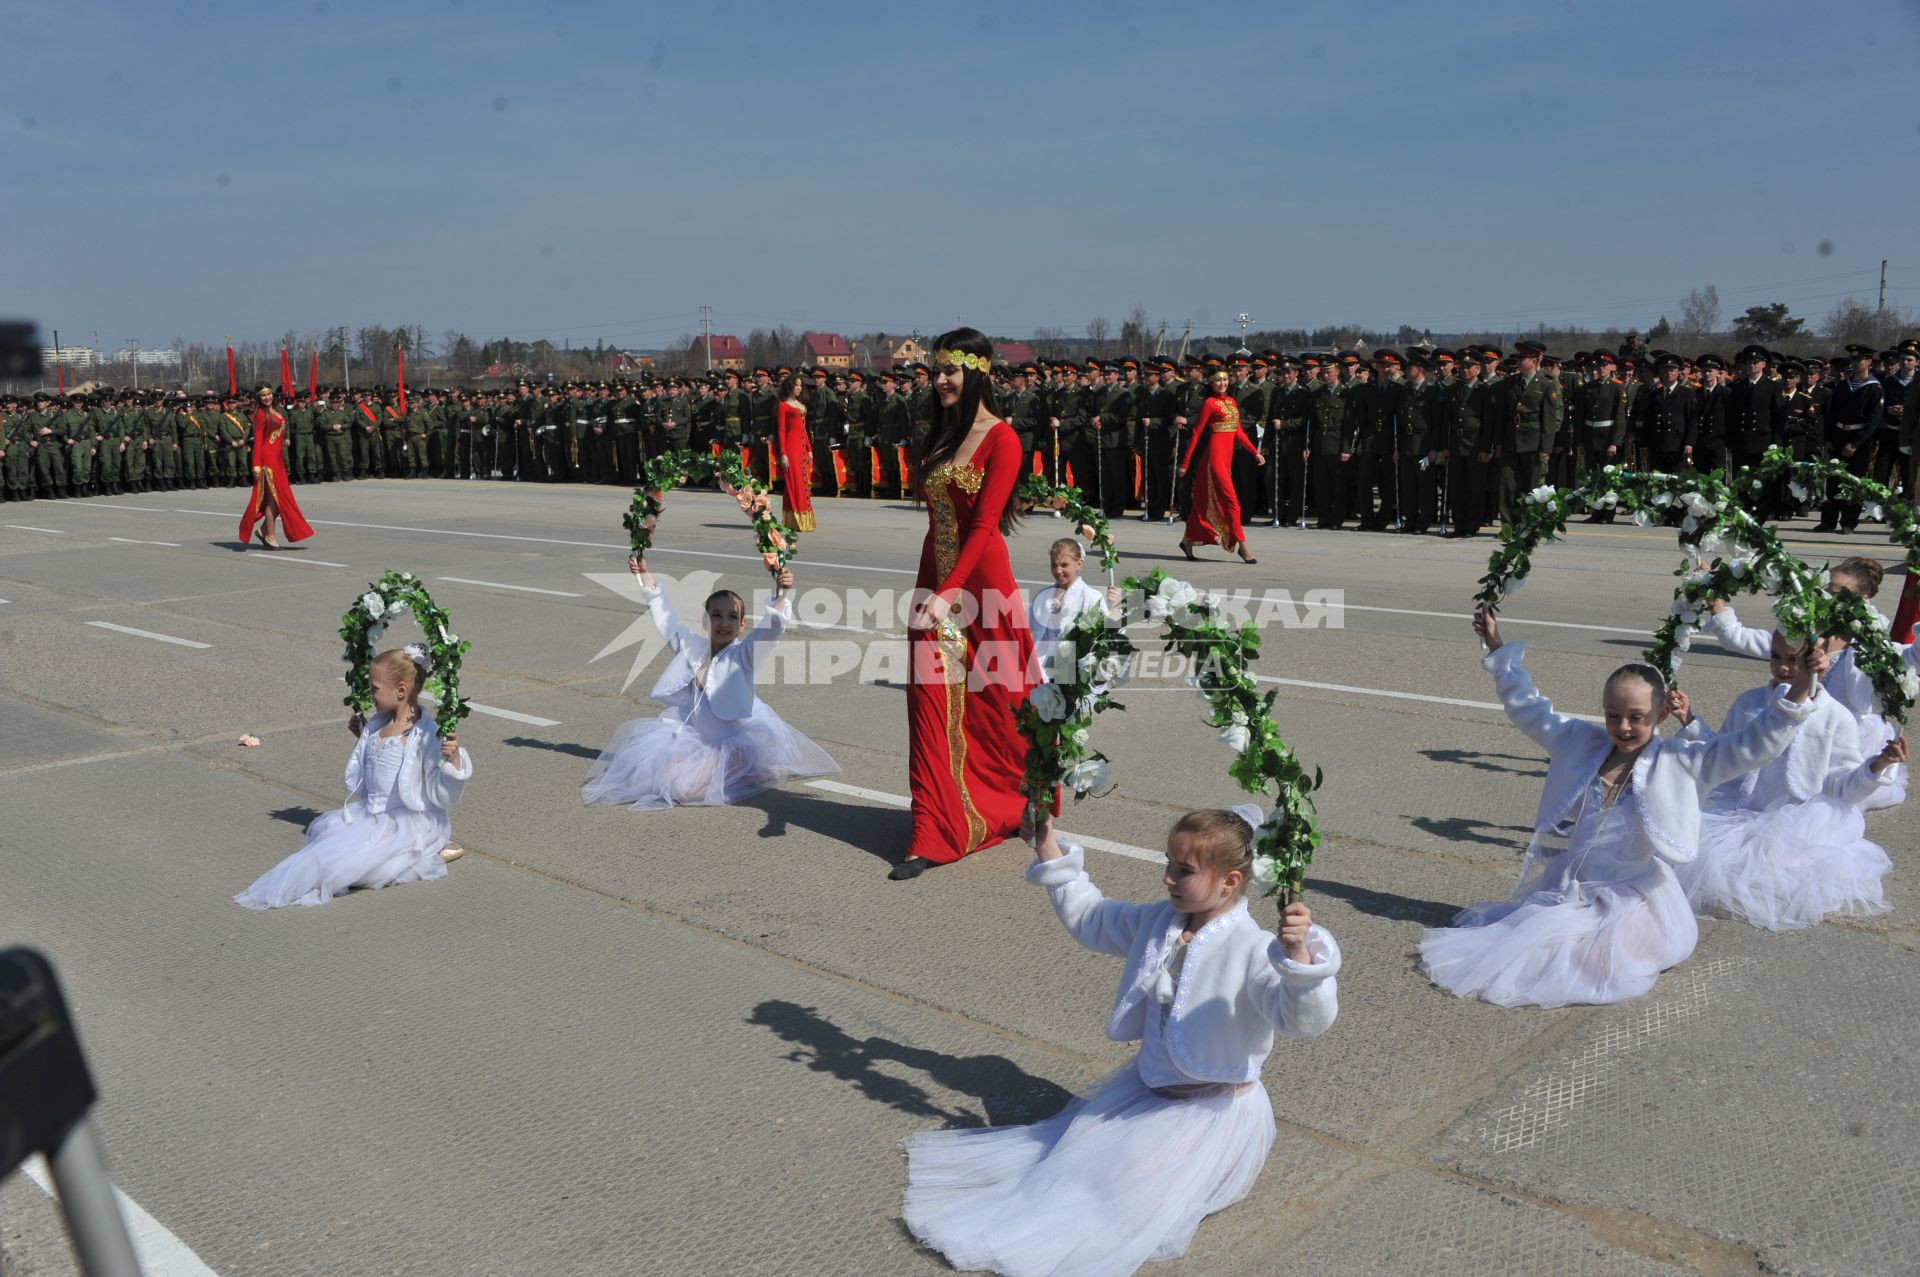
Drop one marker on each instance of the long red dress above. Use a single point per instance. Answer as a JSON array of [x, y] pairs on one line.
[[965, 756], [796, 468], [1214, 514], [270, 467]]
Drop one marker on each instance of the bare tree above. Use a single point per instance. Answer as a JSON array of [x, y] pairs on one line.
[[1853, 322], [1097, 330], [1700, 312], [1050, 343], [1135, 336]]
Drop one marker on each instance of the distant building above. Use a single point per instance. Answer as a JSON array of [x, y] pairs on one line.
[[827, 350], [1014, 352], [724, 349], [158, 357], [892, 352], [75, 356]]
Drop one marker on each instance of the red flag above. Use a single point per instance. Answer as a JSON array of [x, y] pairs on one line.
[[313, 376], [59, 377], [400, 362], [233, 387], [1908, 611], [286, 375]]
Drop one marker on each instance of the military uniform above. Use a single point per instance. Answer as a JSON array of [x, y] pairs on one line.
[[1334, 436], [1527, 415]]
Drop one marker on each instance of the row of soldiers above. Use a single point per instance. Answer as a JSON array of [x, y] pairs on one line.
[[1411, 441]]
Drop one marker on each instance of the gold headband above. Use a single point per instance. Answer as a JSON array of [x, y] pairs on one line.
[[961, 359]]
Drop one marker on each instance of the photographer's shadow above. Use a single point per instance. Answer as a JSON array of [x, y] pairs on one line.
[[1008, 1094]]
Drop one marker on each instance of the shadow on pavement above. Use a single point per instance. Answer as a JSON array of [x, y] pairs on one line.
[[879, 831], [556, 746], [301, 816], [1006, 1092], [1462, 829], [1482, 761], [1385, 904]]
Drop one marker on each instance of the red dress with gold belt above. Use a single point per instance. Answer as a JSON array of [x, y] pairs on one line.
[[796, 468], [965, 756], [270, 467], [1214, 514]]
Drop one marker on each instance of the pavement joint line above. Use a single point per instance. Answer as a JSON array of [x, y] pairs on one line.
[[21, 527], [901, 800], [502, 585], [163, 638], [533, 720], [1400, 696], [131, 541], [305, 563], [160, 1253]]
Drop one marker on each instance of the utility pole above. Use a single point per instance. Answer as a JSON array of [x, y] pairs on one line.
[[1883, 283], [706, 333], [346, 369], [136, 361], [1245, 321]]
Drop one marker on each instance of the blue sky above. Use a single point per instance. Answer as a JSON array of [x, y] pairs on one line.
[[598, 171]]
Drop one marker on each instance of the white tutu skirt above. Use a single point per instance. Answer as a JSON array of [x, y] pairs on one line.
[[1875, 732], [1114, 1179], [1788, 866], [382, 850], [1587, 944], [666, 761]]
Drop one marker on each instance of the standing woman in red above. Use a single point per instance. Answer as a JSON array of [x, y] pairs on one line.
[[968, 637], [1214, 513], [796, 457], [272, 496]]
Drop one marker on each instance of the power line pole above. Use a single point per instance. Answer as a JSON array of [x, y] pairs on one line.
[[706, 333], [1883, 283]]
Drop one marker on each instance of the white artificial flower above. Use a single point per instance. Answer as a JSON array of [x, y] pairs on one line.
[[1049, 702], [406, 576], [1609, 499], [1077, 737], [1664, 500], [1086, 665], [1700, 576], [1643, 518], [1541, 495], [1238, 716], [1711, 543], [1826, 578], [1090, 776], [373, 605], [1737, 568], [397, 608], [1873, 512], [1689, 525], [1683, 639], [1910, 683], [1237, 737], [1515, 584], [1157, 608], [1798, 489], [1879, 620], [1266, 872], [448, 636]]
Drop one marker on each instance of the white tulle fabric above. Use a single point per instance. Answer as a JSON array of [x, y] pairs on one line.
[[1787, 866], [1119, 1177], [1595, 923], [690, 756], [378, 839]]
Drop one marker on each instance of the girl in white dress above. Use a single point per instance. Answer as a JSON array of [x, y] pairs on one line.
[[1784, 845], [717, 742], [1597, 914], [1126, 1173], [1059, 606], [401, 778], [1844, 680]]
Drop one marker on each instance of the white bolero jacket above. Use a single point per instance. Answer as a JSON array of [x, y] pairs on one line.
[[1237, 987], [1671, 777], [427, 781], [1824, 757], [729, 686]]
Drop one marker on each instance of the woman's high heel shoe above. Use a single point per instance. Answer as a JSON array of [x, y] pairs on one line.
[[911, 867], [1186, 548]]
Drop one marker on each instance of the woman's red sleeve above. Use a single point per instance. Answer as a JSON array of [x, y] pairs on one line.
[[1000, 458]]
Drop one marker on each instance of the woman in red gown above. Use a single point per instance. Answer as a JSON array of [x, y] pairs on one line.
[[1213, 516], [796, 457], [968, 638], [272, 496]]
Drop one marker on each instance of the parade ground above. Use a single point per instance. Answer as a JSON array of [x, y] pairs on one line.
[[692, 1042]]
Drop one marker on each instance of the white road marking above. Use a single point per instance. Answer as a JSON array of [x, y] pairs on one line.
[[160, 1253], [1504, 619], [217, 514], [271, 557], [1399, 696], [900, 800], [163, 638], [502, 585], [130, 541], [101, 505], [533, 720], [21, 527]]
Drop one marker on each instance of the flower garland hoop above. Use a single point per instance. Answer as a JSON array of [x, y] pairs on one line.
[[365, 623], [1057, 718], [776, 542], [1711, 522], [1087, 520]]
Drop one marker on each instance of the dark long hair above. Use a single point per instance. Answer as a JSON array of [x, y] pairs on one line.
[[951, 426]]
